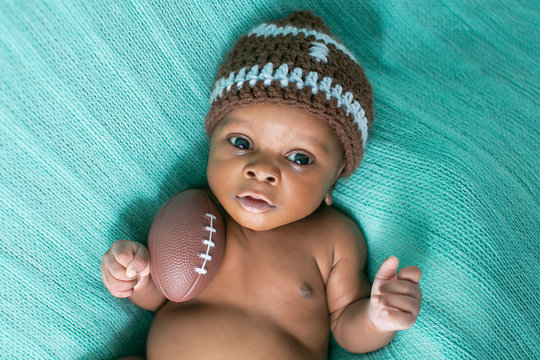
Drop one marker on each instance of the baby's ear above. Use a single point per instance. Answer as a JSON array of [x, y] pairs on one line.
[[328, 197]]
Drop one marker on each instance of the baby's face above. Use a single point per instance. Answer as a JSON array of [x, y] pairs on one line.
[[270, 165]]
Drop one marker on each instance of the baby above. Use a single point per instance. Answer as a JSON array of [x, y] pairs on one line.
[[289, 116]]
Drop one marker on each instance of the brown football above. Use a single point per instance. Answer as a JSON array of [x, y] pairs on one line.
[[186, 245]]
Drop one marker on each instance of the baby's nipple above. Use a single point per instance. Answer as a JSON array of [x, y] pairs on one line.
[[306, 291]]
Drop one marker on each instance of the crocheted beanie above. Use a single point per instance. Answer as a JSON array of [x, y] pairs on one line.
[[297, 61]]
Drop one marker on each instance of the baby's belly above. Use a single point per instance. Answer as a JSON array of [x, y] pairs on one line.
[[203, 331]]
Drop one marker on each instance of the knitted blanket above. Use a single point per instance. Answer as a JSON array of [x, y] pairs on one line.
[[101, 110]]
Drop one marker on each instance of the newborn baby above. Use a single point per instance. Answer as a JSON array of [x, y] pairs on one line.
[[289, 116]]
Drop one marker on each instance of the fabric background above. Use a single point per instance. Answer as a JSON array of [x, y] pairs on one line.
[[101, 110]]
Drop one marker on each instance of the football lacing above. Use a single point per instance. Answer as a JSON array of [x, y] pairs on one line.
[[209, 244]]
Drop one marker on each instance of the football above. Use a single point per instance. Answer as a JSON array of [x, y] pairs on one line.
[[186, 245]]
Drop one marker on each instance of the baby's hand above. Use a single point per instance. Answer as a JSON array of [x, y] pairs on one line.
[[395, 298], [125, 267]]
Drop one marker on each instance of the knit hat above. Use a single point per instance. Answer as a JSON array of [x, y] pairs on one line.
[[297, 61]]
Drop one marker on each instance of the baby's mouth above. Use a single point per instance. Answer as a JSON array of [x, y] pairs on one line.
[[254, 204]]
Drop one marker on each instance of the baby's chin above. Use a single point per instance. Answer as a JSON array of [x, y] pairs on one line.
[[265, 221], [257, 222]]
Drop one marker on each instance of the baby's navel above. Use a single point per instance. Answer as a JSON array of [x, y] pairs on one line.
[[306, 291]]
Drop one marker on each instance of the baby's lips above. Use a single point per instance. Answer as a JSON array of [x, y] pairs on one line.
[[255, 195]]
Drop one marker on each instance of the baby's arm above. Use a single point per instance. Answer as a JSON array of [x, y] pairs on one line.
[[361, 323], [125, 269]]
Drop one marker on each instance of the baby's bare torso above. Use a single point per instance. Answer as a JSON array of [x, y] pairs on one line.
[[267, 301]]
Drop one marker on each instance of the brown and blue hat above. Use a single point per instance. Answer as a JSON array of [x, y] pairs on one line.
[[297, 61]]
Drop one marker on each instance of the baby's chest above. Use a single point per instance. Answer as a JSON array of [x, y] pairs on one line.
[[269, 272]]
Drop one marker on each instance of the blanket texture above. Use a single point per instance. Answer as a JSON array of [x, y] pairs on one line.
[[101, 110]]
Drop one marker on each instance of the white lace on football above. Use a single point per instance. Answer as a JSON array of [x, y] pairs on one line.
[[209, 244]]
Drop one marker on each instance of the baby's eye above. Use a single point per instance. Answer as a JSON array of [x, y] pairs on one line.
[[299, 158], [240, 142]]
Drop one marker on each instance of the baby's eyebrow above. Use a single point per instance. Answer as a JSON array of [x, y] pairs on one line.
[[320, 144]]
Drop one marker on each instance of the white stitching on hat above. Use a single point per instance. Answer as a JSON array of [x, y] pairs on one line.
[[311, 81], [266, 74], [296, 77], [253, 75], [282, 75], [319, 51], [325, 85]]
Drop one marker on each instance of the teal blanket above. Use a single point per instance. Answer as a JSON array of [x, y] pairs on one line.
[[101, 109]]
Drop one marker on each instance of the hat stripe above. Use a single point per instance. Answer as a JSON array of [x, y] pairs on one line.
[[274, 30], [268, 75]]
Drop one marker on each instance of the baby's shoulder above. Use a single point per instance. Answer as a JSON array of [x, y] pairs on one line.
[[340, 231], [332, 221]]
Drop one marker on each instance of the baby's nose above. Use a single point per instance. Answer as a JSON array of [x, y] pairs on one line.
[[259, 175], [263, 170]]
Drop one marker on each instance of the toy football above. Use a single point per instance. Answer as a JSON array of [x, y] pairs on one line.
[[186, 245]]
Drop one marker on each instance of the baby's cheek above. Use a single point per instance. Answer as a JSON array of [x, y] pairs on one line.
[[218, 175], [308, 198]]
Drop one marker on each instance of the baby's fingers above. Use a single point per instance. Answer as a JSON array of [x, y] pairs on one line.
[[118, 288], [122, 289], [140, 264], [112, 270], [402, 303], [411, 273], [402, 287], [123, 251], [132, 256], [400, 320]]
